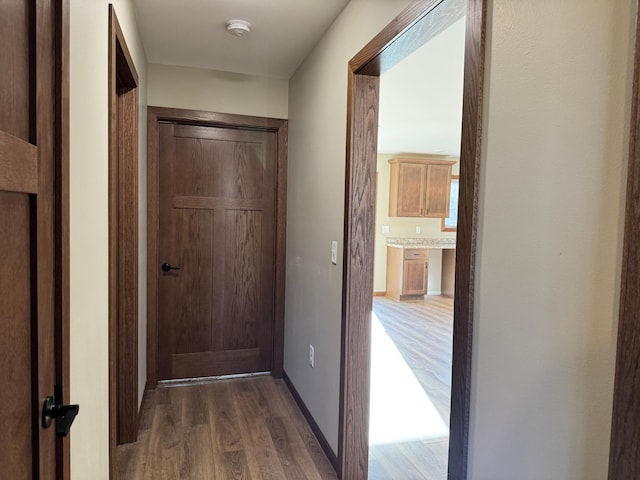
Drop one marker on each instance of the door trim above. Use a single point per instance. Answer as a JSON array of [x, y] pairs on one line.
[[419, 22], [123, 241], [155, 115], [624, 453]]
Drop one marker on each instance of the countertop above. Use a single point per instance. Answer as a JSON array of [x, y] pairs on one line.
[[421, 242]]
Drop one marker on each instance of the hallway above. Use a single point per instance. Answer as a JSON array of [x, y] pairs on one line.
[[247, 428], [251, 428]]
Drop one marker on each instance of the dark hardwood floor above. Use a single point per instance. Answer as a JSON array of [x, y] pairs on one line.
[[245, 429], [251, 428], [422, 333]]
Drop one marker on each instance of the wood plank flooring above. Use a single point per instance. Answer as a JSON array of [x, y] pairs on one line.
[[244, 429], [423, 333]]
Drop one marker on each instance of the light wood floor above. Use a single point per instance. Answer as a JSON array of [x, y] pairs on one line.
[[232, 429], [422, 332]]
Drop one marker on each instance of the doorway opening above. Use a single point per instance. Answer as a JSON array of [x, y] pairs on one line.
[[419, 134], [416, 25]]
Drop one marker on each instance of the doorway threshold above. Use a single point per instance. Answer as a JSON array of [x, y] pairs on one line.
[[183, 382]]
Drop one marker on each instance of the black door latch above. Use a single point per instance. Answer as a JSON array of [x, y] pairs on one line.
[[166, 267], [65, 414]]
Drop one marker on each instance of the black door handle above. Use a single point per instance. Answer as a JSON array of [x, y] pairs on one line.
[[65, 414], [166, 267]]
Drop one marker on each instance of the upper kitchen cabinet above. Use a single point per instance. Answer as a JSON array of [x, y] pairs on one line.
[[420, 187]]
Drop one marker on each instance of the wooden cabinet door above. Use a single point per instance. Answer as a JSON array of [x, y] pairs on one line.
[[411, 190], [414, 277], [419, 188], [29, 285], [438, 190], [217, 225]]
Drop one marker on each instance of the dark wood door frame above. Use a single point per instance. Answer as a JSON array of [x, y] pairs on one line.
[[419, 22], [62, 253], [155, 115], [624, 454], [123, 241]]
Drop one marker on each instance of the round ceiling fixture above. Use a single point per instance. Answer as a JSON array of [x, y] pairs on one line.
[[239, 28]]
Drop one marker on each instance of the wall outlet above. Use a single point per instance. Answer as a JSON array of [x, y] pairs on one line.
[[334, 253], [312, 360], [418, 230], [385, 228]]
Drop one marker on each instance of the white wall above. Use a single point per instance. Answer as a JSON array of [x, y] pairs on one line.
[[317, 128], [550, 224], [89, 226], [223, 92]]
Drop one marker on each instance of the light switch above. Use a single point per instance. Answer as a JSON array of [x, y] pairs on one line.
[[385, 228], [418, 230], [334, 252]]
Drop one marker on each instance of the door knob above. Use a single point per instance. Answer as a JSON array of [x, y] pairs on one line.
[[166, 267], [65, 414]]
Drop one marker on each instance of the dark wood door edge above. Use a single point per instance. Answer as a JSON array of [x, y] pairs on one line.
[[62, 277], [411, 29], [155, 115], [624, 454]]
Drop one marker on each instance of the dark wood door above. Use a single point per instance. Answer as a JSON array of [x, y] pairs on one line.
[[28, 291], [216, 224]]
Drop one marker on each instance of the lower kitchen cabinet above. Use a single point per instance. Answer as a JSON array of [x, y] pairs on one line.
[[407, 272]]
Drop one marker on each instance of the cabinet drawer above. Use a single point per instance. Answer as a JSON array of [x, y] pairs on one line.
[[416, 254]]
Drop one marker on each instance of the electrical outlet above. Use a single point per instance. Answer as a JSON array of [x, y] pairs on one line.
[[312, 360], [334, 252], [385, 228], [418, 230]]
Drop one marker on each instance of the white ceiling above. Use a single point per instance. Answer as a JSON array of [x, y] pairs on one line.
[[193, 33], [421, 98]]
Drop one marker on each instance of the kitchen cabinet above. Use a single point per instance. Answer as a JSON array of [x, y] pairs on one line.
[[407, 270], [420, 187]]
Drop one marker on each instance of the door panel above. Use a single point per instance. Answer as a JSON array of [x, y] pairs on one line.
[[217, 224], [15, 341], [15, 70], [188, 295], [243, 282]]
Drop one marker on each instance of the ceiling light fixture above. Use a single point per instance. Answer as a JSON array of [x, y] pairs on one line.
[[239, 28]]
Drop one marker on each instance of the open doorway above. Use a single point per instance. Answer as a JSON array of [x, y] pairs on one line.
[[419, 134], [420, 22]]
